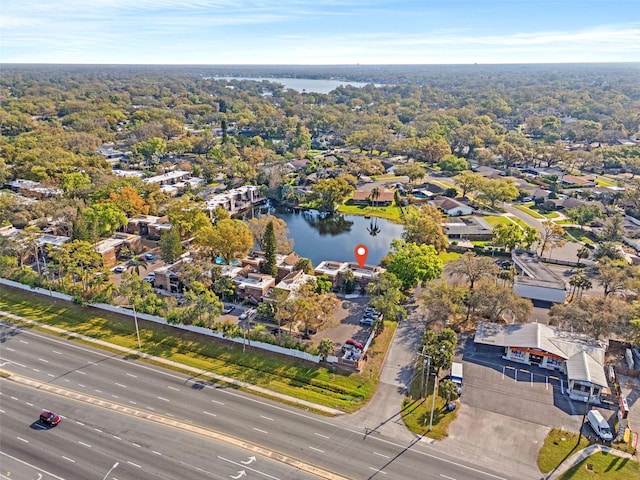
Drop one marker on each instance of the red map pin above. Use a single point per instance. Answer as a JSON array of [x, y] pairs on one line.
[[361, 252]]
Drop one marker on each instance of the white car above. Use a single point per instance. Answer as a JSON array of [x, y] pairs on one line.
[[120, 269], [151, 276], [247, 314]]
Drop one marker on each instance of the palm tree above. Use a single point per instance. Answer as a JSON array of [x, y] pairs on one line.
[[447, 389], [584, 252], [375, 194], [325, 348], [579, 283]]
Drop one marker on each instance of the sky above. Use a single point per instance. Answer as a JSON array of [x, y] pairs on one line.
[[319, 32]]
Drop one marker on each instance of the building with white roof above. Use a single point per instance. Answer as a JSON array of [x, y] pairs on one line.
[[580, 357]]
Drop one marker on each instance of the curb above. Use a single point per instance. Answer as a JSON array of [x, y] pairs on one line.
[[221, 378]]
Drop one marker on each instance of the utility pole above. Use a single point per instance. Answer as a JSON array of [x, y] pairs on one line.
[[423, 384], [584, 416], [433, 403]]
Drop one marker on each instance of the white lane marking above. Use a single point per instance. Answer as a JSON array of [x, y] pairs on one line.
[[116, 437], [320, 435], [22, 341], [81, 385], [219, 403], [134, 464], [30, 404], [162, 398], [13, 363], [174, 388], [80, 423], [209, 413], [267, 418], [69, 459], [56, 352], [2, 411], [43, 360], [30, 465], [157, 453], [98, 391], [136, 445], [132, 375], [13, 398], [316, 449], [258, 430], [115, 396], [381, 455], [98, 430], [85, 444], [121, 385], [9, 349], [151, 408], [448, 478], [81, 372], [132, 402], [36, 370], [67, 380], [51, 375], [22, 439], [376, 470]]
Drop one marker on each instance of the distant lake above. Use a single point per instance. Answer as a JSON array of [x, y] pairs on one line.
[[302, 84], [335, 237]]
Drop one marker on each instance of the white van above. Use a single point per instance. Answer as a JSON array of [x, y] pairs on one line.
[[456, 375], [599, 425]]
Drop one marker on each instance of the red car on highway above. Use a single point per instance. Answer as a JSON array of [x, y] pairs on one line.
[[49, 418]]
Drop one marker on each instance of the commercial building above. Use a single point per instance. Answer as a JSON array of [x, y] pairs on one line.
[[578, 356], [535, 280]]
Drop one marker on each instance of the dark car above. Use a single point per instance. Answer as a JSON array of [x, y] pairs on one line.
[[49, 418], [228, 308]]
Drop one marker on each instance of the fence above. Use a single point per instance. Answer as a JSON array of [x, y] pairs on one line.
[[292, 352]]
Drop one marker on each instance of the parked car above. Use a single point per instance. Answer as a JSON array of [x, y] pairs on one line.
[[247, 314], [228, 308], [354, 343], [120, 269], [367, 321], [151, 277], [49, 418], [149, 256]]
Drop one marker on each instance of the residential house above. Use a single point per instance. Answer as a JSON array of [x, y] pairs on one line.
[[29, 188], [577, 181], [140, 225], [169, 178], [451, 206], [235, 200], [578, 356], [365, 197], [290, 284], [468, 228], [110, 247], [285, 263]]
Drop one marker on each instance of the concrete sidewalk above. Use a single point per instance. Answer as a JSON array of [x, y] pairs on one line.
[[180, 366], [577, 457]]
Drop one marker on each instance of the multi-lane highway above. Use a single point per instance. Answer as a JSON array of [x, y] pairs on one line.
[[351, 451]]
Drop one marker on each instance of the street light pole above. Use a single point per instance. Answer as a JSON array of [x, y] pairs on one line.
[[115, 465], [433, 403], [135, 320]]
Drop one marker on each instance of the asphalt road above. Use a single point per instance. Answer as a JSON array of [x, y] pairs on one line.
[[351, 450], [89, 441]]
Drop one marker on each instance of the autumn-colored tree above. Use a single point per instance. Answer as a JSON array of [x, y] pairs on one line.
[[130, 201], [424, 226], [551, 236], [258, 227], [473, 267]]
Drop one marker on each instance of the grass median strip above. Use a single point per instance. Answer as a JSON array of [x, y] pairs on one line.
[[317, 384]]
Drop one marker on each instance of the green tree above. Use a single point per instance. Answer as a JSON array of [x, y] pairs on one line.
[[495, 191], [424, 226], [468, 181], [270, 265], [170, 245], [305, 265], [612, 229], [507, 235], [187, 214], [583, 214], [412, 170], [325, 349], [386, 296], [258, 227], [328, 194], [323, 284], [448, 389], [440, 347], [349, 282], [229, 239], [105, 218], [412, 263], [148, 149], [453, 164]]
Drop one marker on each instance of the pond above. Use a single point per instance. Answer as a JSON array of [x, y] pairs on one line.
[[302, 84], [335, 237]]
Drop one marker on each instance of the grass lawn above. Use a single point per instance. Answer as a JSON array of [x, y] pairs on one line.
[[580, 235], [416, 414], [558, 446], [604, 466], [495, 220], [529, 211], [448, 257], [392, 212], [601, 182], [296, 378]]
